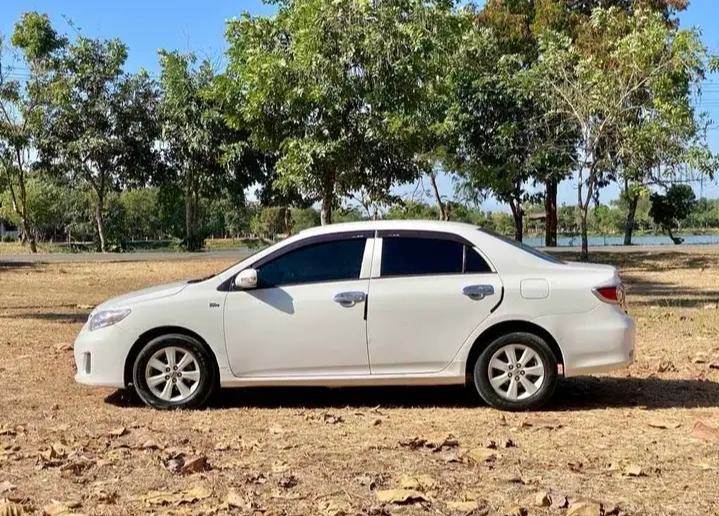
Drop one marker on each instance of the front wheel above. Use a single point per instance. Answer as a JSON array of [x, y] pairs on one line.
[[517, 371], [174, 371]]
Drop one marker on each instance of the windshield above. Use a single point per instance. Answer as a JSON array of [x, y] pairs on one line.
[[524, 247]]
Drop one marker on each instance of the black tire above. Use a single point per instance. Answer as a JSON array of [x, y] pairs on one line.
[[531, 401], [208, 378]]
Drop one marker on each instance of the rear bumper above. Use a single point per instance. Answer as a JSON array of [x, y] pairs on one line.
[[100, 357], [599, 341]]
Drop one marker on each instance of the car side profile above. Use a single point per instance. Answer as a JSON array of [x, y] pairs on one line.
[[368, 303]]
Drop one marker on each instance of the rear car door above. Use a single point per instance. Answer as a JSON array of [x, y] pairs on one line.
[[431, 291], [306, 317]]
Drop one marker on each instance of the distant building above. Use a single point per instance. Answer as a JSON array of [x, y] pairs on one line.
[[541, 216]]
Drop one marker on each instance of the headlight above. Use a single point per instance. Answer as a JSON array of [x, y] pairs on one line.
[[105, 318]]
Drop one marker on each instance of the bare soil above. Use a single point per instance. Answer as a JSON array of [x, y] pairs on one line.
[[642, 441]]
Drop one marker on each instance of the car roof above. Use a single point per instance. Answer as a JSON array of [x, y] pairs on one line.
[[417, 225]]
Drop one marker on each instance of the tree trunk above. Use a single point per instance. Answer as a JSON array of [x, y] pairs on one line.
[[326, 212], [675, 240], [193, 242], [633, 201], [328, 192], [550, 209], [99, 221], [441, 208], [518, 215], [583, 210], [189, 230], [27, 236]]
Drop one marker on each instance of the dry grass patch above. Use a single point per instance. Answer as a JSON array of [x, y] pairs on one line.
[[642, 441]]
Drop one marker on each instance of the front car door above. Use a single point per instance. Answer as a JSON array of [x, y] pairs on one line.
[[431, 291], [306, 317]]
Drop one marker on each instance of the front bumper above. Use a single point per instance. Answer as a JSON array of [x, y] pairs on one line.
[[100, 356]]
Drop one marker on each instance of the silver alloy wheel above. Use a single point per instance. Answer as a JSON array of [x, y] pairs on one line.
[[173, 373], [516, 372]]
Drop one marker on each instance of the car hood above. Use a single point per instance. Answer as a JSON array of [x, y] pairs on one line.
[[146, 294]]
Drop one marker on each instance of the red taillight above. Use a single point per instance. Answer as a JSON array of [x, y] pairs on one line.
[[609, 294]]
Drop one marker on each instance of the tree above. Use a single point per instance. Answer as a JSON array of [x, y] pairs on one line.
[[20, 107], [664, 136], [517, 24], [329, 85], [504, 137], [102, 124], [201, 152], [271, 221], [594, 81], [670, 209]]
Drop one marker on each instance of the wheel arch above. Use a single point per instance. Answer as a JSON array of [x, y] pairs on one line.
[[157, 332], [503, 328]]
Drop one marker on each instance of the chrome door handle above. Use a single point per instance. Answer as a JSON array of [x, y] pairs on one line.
[[478, 291], [349, 298]]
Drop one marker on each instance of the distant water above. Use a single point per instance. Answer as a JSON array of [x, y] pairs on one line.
[[619, 240]]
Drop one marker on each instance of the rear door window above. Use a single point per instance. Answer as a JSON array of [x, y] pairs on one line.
[[414, 256]]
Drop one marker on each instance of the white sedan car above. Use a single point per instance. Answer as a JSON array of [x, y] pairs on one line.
[[369, 303]]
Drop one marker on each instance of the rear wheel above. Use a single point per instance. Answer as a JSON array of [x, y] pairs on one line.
[[517, 371], [174, 371]]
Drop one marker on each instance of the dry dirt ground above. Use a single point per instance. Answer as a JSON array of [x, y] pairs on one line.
[[642, 441]]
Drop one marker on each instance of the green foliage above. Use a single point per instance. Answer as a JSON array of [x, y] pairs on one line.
[[670, 209], [271, 221], [101, 125], [506, 135], [36, 38], [303, 218], [141, 214], [623, 66], [336, 100], [326, 106], [202, 153], [21, 109]]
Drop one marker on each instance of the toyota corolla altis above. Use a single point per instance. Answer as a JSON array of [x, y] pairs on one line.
[[369, 303]]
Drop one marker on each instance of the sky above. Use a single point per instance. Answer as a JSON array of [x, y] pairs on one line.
[[198, 26]]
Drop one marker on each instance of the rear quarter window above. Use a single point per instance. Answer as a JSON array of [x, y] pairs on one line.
[[524, 247]]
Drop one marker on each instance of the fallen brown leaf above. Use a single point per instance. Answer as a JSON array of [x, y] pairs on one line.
[[515, 510], [287, 481], [191, 495], [465, 506], [8, 508], [542, 423], [701, 430], [332, 419], [418, 482], [584, 508], [401, 496], [56, 508], [482, 455], [634, 470], [150, 445], [63, 347], [195, 465], [542, 499], [234, 500], [117, 432], [664, 425]]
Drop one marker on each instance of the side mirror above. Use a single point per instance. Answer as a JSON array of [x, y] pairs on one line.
[[246, 279]]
